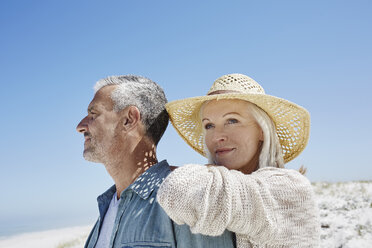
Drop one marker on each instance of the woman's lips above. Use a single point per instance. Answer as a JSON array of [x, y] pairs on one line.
[[224, 151]]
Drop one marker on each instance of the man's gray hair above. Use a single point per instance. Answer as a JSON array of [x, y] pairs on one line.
[[143, 93]]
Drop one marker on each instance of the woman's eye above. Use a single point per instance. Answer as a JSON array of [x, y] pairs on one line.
[[232, 121], [208, 126]]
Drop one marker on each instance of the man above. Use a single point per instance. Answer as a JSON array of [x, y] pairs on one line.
[[125, 122]]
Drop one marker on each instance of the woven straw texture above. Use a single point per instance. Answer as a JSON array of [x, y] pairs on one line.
[[292, 122]]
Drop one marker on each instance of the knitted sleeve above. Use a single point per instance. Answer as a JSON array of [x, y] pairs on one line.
[[270, 206]]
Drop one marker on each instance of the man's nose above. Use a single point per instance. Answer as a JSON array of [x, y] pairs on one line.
[[82, 127]]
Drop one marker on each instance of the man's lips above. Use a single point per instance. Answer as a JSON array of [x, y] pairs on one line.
[[223, 151], [86, 137]]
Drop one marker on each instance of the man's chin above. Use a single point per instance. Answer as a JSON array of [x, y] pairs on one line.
[[90, 156]]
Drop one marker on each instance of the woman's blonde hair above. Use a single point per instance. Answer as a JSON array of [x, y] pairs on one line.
[[271, 152]]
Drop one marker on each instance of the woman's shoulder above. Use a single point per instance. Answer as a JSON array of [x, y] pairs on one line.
[[282, 175], [278, 171], [271, 175], [195, 170]]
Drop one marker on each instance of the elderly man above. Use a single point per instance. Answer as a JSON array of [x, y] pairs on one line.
[[125, 121]]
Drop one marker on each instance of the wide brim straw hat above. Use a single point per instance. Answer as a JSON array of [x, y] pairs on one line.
[[292, 122]]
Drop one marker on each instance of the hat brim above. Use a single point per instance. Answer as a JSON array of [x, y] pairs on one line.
[[292, 122]]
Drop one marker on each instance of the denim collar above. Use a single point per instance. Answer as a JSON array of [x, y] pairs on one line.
[[142, 186], [104, 201], [150, 179]]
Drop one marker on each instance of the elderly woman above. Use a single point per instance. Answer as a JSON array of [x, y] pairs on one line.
[[247, 136]]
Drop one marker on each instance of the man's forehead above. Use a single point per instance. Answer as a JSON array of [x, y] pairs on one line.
[[102, 98]]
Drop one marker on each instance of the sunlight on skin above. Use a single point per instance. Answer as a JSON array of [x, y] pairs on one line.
[[149, 159]]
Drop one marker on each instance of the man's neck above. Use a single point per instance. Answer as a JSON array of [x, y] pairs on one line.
[[124, 171]]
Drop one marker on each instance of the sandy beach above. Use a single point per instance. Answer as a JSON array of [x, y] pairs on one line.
[[345, 214], [72, 237]]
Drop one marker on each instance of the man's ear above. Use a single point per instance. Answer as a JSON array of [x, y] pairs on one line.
[[131, 118]]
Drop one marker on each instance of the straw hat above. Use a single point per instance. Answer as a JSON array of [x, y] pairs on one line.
[[292, 121]]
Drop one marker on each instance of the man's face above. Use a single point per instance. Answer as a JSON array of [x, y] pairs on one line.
[[100, 127]]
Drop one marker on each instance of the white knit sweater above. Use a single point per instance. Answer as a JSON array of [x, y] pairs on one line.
[[271, 207]]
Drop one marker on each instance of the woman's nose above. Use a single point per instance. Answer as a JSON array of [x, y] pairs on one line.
[[82, 127], [220, 136]]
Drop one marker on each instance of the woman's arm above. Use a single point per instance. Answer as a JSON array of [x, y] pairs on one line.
[[268, 205]]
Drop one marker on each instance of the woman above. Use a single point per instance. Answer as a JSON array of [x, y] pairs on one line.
[[247, 137]]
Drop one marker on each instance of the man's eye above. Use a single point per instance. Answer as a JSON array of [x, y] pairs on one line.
[[232, 121], [208, 126]]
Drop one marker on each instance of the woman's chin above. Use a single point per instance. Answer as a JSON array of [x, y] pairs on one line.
[[228, 165]]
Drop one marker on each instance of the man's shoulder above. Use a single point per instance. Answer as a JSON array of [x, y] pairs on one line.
[[150, 180], [186, 238]]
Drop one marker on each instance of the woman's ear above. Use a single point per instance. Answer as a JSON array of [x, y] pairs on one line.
[[131, 118], [261, 135]]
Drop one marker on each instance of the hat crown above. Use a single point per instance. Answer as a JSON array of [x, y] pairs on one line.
[[236, 83]]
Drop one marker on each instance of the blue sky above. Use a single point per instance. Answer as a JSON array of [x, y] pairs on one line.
[[315, 53]]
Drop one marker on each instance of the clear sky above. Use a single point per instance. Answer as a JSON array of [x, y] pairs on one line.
[[315, 53]]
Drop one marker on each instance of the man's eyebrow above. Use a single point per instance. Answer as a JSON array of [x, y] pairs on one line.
[[91, 108]]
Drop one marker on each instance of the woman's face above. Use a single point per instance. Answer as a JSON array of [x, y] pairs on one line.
[[232, 135]]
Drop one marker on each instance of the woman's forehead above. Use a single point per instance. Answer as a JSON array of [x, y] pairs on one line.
[[224, 106]]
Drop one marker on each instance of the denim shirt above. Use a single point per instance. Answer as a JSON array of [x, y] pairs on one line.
[[141, 222]]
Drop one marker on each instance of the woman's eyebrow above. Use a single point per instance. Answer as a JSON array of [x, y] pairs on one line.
[[231, 113]]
